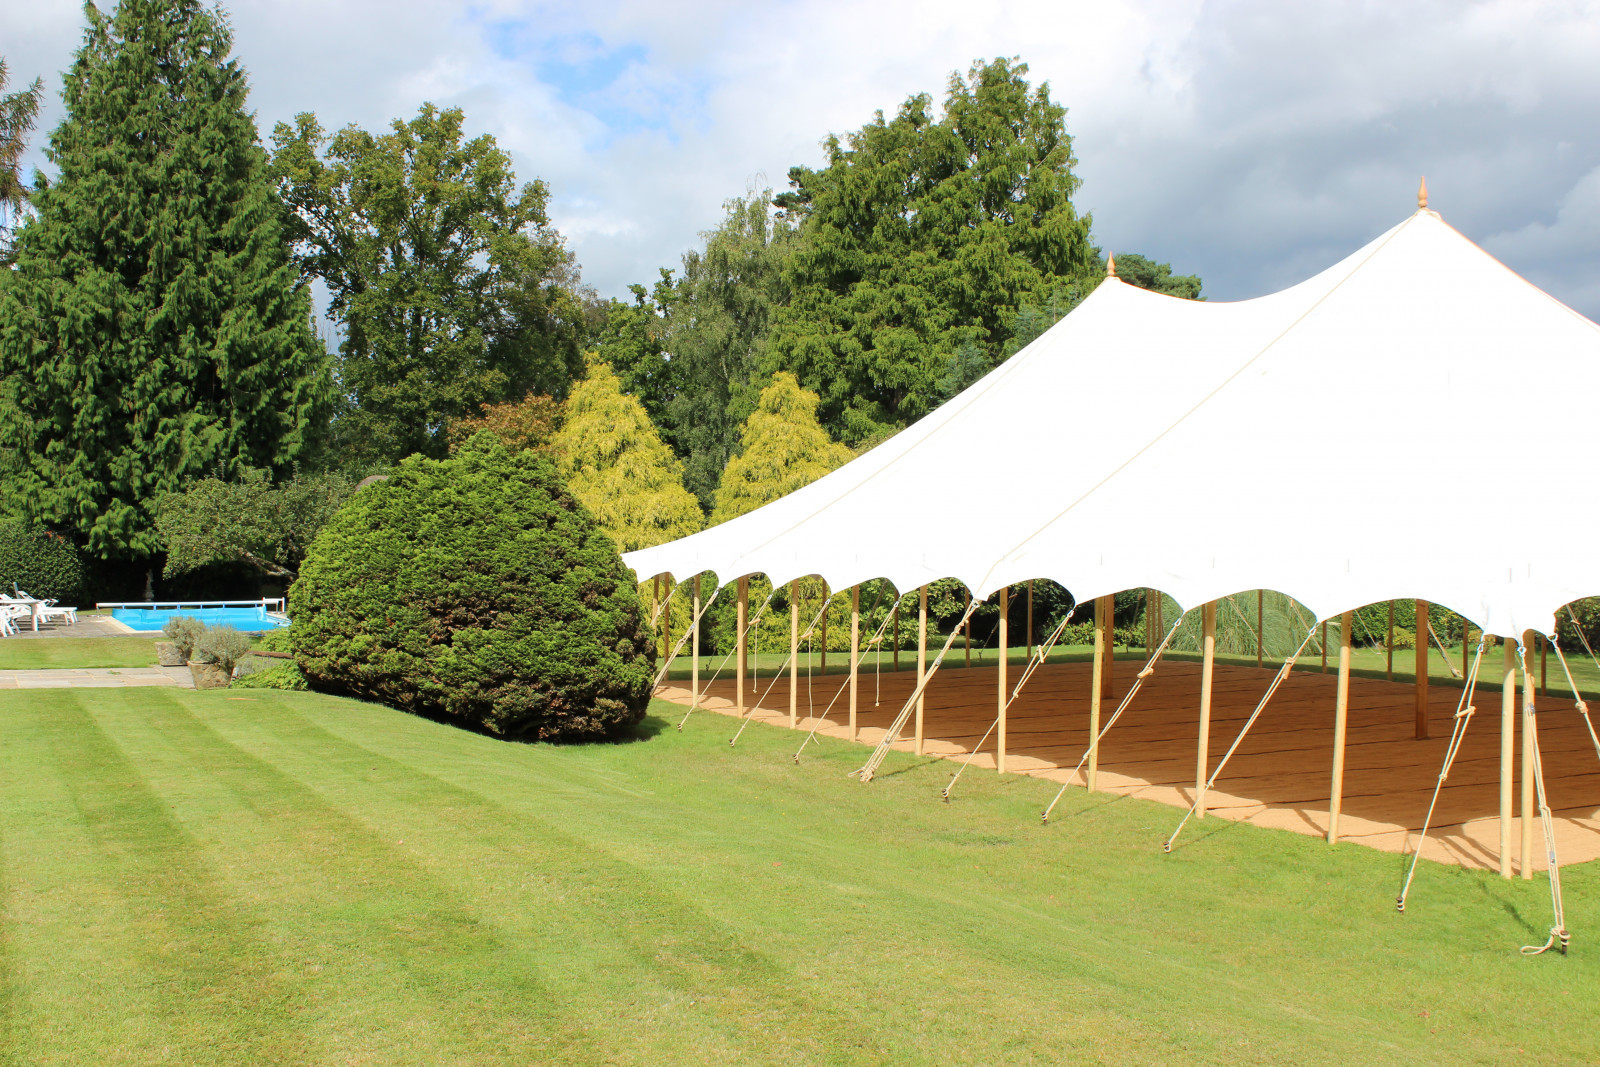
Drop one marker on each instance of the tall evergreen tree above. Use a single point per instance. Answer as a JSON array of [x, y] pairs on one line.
[[618, 467], [782, 448], [154, 329], [925, 234]]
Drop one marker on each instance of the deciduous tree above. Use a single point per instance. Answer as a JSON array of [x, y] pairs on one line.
[[248, 520], [453, 288]]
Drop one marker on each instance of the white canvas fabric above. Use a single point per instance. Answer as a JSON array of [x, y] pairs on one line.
[[1408, 423]]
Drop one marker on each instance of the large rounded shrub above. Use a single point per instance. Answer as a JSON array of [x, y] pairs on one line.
[[476, 590], [40, 562]]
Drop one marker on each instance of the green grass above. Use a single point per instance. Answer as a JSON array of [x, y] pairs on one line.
[[75, 652], [273, 877]]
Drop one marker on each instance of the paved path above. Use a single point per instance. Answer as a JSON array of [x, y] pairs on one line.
[[97, 678], [88, 626]]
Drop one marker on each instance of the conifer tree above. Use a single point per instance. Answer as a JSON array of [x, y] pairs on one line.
[[154, 329], [618, 467], [783, 448]]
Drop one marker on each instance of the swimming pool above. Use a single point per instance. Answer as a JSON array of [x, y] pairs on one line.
[[240, 618]]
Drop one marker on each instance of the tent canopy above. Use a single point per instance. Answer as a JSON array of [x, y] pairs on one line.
[[1403, 424]]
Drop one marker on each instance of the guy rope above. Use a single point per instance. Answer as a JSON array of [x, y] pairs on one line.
[[1558, 924], [1034, 661], [1583, 709], [1133, 691], [688, 631], [729, 657], [1458, 734], [779, 672], [892, 734], [819, 721], [1283, 672]]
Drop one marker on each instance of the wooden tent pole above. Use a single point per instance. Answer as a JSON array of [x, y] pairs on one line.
[[666, 626], [1422, 670], [1388, 669], [897, 635], [1030, 620], [1341, 719], [1544, 651], [1102, 639], [794, 654], [967, 607], [1106, 679], [822, 666], [1000, 680], [1202, 761], [1465, 645], [742, 654], [1508, 739], [1261, 621], [1525, 853], [922, 659], [694, 650], [1324, 646], [855, 652]]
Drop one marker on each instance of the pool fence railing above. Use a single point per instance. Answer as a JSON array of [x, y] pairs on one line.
[[273, 605]]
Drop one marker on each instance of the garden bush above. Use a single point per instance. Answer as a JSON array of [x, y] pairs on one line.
[[271, 674], [42, 563], [476, 590], [184, 631], [222, 645]]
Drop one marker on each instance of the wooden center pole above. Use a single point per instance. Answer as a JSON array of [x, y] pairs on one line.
[[794, 655], [1422, 670], [1001, 680], [741, 655], [922, 659], [1261, 621], [694, 649], [1388, 669], [1508, 737], [1202, 760], [1030, 618], [1102, 644], [1341, 719], [855, 652], [1525, 853]]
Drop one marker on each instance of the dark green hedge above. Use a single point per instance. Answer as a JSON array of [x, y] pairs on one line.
[[40, 562], [476, 590]]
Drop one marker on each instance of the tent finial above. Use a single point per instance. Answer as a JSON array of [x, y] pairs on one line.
[[1111, 265], [1422, 195]]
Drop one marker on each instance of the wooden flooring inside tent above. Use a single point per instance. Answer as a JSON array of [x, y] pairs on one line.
[[1280, 776]]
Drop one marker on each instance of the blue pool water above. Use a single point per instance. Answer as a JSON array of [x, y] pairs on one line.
[[238, 618]]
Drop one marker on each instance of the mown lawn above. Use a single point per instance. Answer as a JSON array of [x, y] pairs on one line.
[[272, 877], [35, 653]]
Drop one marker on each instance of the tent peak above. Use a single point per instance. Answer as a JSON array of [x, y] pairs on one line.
[[1422, 195], [1111, 265]]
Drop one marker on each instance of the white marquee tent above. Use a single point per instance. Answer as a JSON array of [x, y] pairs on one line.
[[1406, 423]]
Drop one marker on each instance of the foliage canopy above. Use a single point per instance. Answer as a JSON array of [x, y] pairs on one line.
[[922, 237], [248, 520], [154, 327], [453, 289]]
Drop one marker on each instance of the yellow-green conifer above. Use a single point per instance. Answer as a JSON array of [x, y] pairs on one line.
[[782, 448]]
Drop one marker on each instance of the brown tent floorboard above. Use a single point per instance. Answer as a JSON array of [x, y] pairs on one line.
[[1281, 774]]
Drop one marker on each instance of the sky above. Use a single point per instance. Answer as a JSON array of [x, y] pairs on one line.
[[1253, 143]]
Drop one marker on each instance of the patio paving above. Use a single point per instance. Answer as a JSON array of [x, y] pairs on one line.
[[97, 678]]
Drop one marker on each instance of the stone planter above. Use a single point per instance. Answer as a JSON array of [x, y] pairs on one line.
[[168, 654], [208, 675]]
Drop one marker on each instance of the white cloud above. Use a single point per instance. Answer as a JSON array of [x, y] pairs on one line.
[[1253, 143]]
